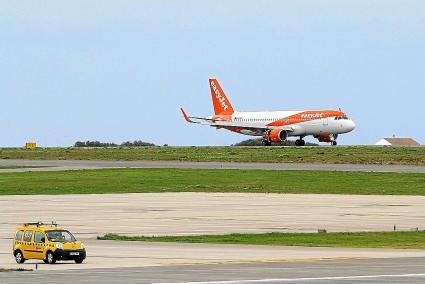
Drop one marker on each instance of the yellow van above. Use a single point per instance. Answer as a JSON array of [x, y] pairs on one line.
[[47, 242]]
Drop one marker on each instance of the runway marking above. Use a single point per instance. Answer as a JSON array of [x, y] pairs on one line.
[[277, 280]]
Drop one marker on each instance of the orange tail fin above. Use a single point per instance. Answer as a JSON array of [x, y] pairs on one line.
[[222, 105]]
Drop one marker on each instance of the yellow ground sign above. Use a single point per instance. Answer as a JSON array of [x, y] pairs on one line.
[[30, 145]]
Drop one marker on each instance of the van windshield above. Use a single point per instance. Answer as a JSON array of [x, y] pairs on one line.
[[60, 236]]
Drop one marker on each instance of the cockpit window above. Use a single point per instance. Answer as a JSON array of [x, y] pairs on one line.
[[341, 117]]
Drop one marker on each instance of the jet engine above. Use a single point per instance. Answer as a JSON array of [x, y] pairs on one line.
[[277, 135], [327, 137]]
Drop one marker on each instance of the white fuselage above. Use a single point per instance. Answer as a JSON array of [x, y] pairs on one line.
[[316, 126]]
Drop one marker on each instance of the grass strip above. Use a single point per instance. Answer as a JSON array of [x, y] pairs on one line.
[[20, 167], [401, 240], [14, 269], [201, 180], [333, 155]]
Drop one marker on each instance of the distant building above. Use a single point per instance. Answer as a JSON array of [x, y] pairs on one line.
[[393, 141]]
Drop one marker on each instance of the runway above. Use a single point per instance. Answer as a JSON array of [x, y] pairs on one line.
[[126, 254], [189, 213], [393, 270], [59, 165]]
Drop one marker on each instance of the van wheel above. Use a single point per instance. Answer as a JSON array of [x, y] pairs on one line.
[[19, 257], [50, 258], [45, 260], [79, 260]]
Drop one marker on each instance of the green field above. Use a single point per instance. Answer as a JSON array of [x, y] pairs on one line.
[[338, 155], [17, 269], [200, 180], [404, 240]]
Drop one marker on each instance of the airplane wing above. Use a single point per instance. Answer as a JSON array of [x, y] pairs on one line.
[[193, 119], [231, 124], [244, 125]]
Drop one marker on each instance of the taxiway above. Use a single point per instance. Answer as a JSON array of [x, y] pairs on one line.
[[59, 165]]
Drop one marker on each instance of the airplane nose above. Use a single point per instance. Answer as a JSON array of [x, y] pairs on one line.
[[350, 125]]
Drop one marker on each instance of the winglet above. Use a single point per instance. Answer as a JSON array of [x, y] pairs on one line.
[[186, 117]]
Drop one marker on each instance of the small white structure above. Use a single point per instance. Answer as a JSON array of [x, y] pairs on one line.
[[393, 141]]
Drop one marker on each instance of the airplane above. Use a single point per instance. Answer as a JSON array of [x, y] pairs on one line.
[[274, 126]]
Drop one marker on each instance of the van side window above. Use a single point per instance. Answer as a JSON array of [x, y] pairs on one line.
[[38, 236], [19, 235], [27, 236]]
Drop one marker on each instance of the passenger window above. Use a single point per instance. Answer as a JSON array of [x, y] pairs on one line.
[[27, 236], [38, 236], [19, 235]]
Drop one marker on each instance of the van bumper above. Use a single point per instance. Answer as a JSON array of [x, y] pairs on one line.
[[61, 254]]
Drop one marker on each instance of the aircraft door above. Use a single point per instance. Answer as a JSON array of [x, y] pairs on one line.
[[326, 119]]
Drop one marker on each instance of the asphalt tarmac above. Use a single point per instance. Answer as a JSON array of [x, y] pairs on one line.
[[191, 213], [80, 165], [126, 254], [392, 270]]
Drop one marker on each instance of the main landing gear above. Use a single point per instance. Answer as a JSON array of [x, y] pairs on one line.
[[334, 143], [266, 139], [300, 142]]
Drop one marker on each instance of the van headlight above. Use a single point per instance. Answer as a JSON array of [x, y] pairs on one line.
[[82, 246], [59, 246]]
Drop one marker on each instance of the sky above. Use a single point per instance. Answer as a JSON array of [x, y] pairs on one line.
[[115, 71]]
